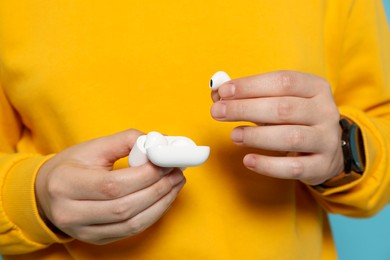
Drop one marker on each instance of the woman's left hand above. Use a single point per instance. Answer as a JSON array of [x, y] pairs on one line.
[[294, 113]]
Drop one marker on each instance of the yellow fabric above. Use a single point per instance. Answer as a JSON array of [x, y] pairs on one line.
[[75, 70]]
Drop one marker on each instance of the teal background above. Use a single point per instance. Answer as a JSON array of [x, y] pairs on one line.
[[359, 239], [387, 6], [362, 239]]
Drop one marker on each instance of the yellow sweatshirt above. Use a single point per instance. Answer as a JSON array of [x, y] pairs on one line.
[[75, 70]]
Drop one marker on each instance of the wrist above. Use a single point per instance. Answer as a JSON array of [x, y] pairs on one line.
[[353, 156]]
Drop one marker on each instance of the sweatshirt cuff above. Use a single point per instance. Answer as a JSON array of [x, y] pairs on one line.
[[360, 193], [20, 203]]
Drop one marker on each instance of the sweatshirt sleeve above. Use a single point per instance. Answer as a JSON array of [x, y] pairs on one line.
[[362, 93], [21, 228]]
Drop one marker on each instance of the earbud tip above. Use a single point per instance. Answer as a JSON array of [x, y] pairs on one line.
[[155, 138], [218, 79]]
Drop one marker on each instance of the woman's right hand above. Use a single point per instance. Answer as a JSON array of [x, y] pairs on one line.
[[79, 193]]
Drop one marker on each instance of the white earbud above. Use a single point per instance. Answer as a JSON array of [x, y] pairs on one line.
[[138, 155], [167, 151], [180, 141], [218, 79], [155, 138]]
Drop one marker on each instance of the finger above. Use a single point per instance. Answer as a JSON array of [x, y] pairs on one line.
[[280, 110], [215, 96], [288, 138], [101, 234], [279, 83], [90, 184], [303, 168], [104, 151], [118, 210]]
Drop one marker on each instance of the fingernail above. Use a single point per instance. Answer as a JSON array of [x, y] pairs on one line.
[[227, 91], [218, 110], [175, 178], [237, 135], [250, 161]]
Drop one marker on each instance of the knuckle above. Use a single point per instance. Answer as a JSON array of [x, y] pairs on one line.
[[284, 109], [132, 134], [121, 211], [136, 226], [55, 185], [110, 187], [61, 220], [285, 79], [295, 139], [132, 131], [296, 169], [54, 189]]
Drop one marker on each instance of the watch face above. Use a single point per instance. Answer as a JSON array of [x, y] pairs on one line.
[[357, 149]]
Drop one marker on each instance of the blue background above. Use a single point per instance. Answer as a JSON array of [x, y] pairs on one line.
[[361, 239], [387, 6]]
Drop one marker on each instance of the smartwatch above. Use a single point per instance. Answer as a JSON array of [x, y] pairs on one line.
[[353, 153]]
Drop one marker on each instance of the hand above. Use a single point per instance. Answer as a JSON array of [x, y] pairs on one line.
[[294, 113], [79, 192]]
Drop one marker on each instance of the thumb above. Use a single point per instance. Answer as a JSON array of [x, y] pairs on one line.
[[104, 151]]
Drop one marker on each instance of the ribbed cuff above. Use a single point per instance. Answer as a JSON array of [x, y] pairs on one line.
[[20, 203]]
